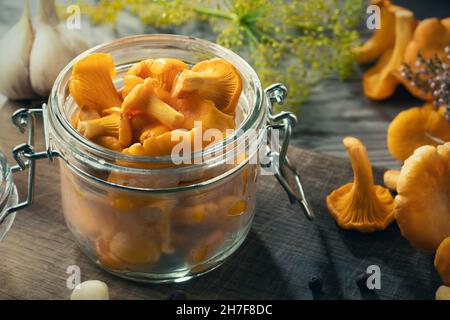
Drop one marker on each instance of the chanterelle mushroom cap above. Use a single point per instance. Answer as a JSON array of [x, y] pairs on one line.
[[143, 99], [416, 127], [360, 204], [430, 38], [379, 82], [382, 38], [422, 206], [442, 261], [91, 83]]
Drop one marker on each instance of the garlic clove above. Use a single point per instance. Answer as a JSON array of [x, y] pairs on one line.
[[49, 55], [15, 59], [90, 290]]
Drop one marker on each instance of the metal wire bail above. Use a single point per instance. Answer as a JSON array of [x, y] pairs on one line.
[[279, 161], [25, 155]]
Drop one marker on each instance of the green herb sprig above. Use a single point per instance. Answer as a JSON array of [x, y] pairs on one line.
[[298, 42]]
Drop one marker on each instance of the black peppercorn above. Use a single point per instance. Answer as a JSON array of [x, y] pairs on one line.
[[177, 295], [315, 284], [361, 280]]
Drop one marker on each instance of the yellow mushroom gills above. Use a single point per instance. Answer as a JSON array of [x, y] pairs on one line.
[[422, 206], [361, 205], [416, 127]]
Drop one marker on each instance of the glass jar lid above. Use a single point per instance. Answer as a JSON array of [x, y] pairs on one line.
[[8, 196]]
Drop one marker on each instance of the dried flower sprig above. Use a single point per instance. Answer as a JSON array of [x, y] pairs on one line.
[[431, 76]]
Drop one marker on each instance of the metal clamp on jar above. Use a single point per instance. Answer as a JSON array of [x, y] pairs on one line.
[[147, 222]]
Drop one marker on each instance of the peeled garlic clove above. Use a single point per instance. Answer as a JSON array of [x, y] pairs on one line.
[[15, 59], [70, 37], [90, 290], [49, 55], [443, 293]]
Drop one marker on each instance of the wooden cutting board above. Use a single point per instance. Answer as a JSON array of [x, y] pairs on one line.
[[282, 252]]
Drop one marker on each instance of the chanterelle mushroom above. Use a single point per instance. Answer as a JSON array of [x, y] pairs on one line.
[[390, 179], [360, 204], [422, 206], [383, 38], [416, 127], [442, 261], [379, 82]]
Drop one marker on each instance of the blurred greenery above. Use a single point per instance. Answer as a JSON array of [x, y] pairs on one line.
[[297, 42]]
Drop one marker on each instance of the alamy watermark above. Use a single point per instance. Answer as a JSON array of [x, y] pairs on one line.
[[74, 278], [374, 277], [73, 22], [374, 19]]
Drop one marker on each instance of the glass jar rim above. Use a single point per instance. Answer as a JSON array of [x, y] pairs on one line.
[[241, 65]]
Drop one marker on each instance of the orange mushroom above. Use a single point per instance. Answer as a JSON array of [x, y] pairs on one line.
[[442, 261], [141, 69], [129, 82], [125, 251], [379, 82], [164, 143], [416, 127], [390, 179], [164, 70], [216, 80], [83, 115], [206, 247], [109, 142], [153, 130], [115, 125], [195, 109], [361, 205], [430, 38], [422, 206], [143, 100], [138, 124], [383, 38], [110, 111], [202, 213], [91, 83]]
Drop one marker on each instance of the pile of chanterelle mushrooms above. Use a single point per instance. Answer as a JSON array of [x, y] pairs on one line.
[[415, 54]]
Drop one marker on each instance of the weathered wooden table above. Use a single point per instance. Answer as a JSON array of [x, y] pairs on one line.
[[282, 252]]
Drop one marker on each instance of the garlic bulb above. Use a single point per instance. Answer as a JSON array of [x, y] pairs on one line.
[[90, 290], [15, 59], [49, 55]]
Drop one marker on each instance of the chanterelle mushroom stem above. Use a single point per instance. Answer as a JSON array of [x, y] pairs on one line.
[[360, 204]]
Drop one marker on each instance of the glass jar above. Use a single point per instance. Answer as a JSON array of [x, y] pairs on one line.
[[135, 216]]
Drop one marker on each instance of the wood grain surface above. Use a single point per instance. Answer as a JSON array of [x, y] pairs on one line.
[[282, 252]]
